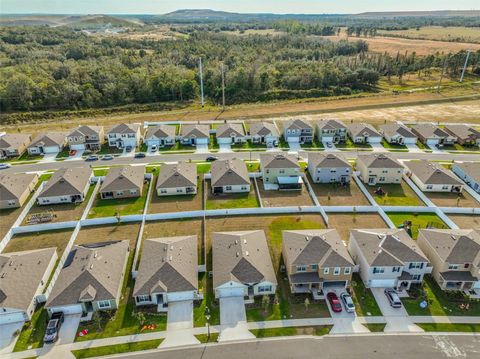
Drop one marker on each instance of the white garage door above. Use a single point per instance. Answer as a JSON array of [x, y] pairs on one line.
[[432, 141], [230, 292], [382, 283], [77, 147], [374, 139], [70, 309], [327, 138], [224, 140], [180, 296], [202, 141], [50, 149], [15, 317]]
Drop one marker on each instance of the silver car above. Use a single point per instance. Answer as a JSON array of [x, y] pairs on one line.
[[393, 298], [347, 302]]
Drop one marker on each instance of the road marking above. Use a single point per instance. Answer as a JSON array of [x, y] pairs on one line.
[[447, 347]]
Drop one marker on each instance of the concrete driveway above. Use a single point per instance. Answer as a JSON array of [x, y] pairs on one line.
[[294, 146], [201, 148], [329, 146], [69, 329], [224, 147], [77, 156], [233, 320], [49, 157], [7, 341], [377, 147], [344, 322], [179, 325], [412, 147]]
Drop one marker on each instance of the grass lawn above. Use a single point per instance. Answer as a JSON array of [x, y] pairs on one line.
[[208, 300], [203, 167], [419, 221], [315, 145], [203, 338], [26, 157], [393, 146], [107, 150], [116, 349], [349, 144], [231, 200], [290, 331], [38, 240], [100, 172], [63, 153], [448, 327], [375, 328], [395, 195], [363, 298], [32, 333], [439, 301]]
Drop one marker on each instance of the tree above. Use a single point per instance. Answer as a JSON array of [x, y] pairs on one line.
[[265, 302], [306, 303], [140, 317]]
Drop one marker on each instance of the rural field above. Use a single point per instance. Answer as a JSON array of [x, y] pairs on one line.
[[438, 33]]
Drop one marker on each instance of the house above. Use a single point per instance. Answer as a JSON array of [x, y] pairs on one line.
[[241, 265], [177, 179], [123, 182], [466, 135], [432, 177], [52, 142], [67, 185], [91, 279], [329, 168], [86, 138], [316, 260], [264, 133], [376, 169], [280, 171], [124, 135], [13, 144], [168, 272], [297, 131], [469, 172], [455, 257], [15, 189], [23, 277], [398, 134], [195, 135], [230, 176], [333, 131], [432, 135], [388, 258], [160, 136], [364, 133], [230, 133]]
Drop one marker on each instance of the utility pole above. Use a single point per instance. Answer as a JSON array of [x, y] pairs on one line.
[[223, 88], [441, 75], [201, 83], [465, 65]]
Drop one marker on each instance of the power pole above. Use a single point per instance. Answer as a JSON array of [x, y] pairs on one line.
[[465, 65], [201, 83], [441, 75], [223, 88]]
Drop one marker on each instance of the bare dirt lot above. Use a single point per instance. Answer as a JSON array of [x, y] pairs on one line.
[[337, 195], [466, 221], [284, 198], [343, 222], [452, 199], [40, 240], [120, 232], [180, 203]]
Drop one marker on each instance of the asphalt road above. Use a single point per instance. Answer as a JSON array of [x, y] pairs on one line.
[[424, 346]]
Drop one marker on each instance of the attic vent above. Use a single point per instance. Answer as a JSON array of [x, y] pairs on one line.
[[163, 259], [165, 248], [171, 248], [246, 253], [171, 258], [62, 180], [244, 241], [4, 274], [95, 255], [454, 237], [91, 266], [237, 254], [236, 242]]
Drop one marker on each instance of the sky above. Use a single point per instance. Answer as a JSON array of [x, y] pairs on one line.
[[244, 6]]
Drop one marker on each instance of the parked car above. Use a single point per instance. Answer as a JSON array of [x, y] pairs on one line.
[[53, 327], [153, 148], [211, 158], [128, 148], [140, 155], [393, 298], [334, 302], [107, 158], [92, 158], [329, 145], [4, 166], [347, 302], [72, 153]]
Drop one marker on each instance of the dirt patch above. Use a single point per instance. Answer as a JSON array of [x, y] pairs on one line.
[[343, 222], [442, 199], [180, 203], [120, 232], [284, 198], [466, 221], [7, 218], [40, 240], [334, 194]]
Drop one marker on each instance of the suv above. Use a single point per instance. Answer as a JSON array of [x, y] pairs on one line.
[[393, 298], [53, 327], [347, 302], [91, 158]]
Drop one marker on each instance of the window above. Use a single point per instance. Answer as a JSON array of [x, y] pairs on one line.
[[326, 270], [336, 271], [347, 270], [264, 288], [314, 266], [133, 191], [301, 268], [445, 187], [429, 186], [244, 188], [281, 171], [415, 266], [163, 190], [228, 188], [104, 304], [179, 190], [381, 179], [333, 171], [466, 265], [378, 270], [395, 269], [143, 298], [453, 266], [416, 277]]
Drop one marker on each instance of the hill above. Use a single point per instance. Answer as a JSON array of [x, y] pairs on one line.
[[438, 13], [75, 21]]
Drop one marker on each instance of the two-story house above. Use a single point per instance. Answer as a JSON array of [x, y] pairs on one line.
[[332, 130], [124, 135], [379, 168], [329, 168], [297, 131], [86, 138], [280, 171]]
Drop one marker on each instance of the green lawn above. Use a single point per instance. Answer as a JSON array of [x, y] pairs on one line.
[[63, 153], [203, 167], [363, 298], [45, 177], [203, 338], [421, 146], [376, 328], [439, 301], [419, 221], [117, 349], [233, 200], [448, 327], [100, 172], [107, 150], [393, 146], [349, 144], [315, 145], [208, 300], [290, 331], [32, 333], [26, 157], [395, 195]]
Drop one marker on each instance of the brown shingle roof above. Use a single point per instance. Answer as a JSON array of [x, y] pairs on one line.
[[160, 131], [327, 160], [49, 139], [182, 174], [87, 131], [67, 181], [363, 129], [123, 178], [432, 173], [229, 173], [124, 128], [230, 130], [427, 130], [296, 123], [463, 131], [393, 129], [197, 131], [13, 141], [379, 160], [12, 186], [263, 129], [278, 160], [331, 124]]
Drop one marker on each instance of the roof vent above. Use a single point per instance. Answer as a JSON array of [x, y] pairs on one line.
[[4, 274], [244, 241], [246, 253], [454, 237], [95, 255], [236, 242], [91, 266], [237, 254], [171, 258]]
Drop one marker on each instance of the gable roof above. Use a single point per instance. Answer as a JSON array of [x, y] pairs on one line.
[[394, 129], [160, 131], [363, 129], [87, 131], [387, 247], [124, 128], [13, 141], [21, 274], [472, 169], [432, 173], [278, 160], [379, 160], [242, 257], [182, 174], [123, 178], [463, 131], [167, 265], [49, 139], [297, 123], [331, 124], [90, 272], [327, 160], [196, 130], [67, 181], [230, 130], [427, 130], [12, 186], [263, 129], [229, 172]]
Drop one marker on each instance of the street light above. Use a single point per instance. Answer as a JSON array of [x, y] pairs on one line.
[[207, 317]]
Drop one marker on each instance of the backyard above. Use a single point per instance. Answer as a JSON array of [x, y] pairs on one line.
[[419, 221], [275, 198], [109, 232], [231, 200], [180, 203], [395, 195], [466, 221], [39, 240], [334, 194], [448, 199], [344, 222]]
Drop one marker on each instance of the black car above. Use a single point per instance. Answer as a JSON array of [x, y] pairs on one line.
[[53, 327], [140, 155], [211, 158]]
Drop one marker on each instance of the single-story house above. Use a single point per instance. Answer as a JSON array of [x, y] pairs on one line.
[[124, 135], [432, 135], [363, 133], [230, 133], [379, 168], [67, 185], [316, 260], [86, 138], [432, 177], [297, 131], [265, 133], [280, 171], [15, 189], [23, 277], [331, 130], [329, 168], [230, 176], [466, 135], [168, 272], [241, 265], [13, 144], [195, 134], [160, 136], [395, 133], [469, 172], [91, 279], [177, 179], [123, 182], [52, 142], [388, 258]]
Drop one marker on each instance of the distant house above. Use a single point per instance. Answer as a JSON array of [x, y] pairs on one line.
[[280, 171], [466, 135], [168, 272], [265, 133], [15, 189], [388, 258], [91, 279], [333, 131], [123, 182], [455, 257], [124, 135], [377, 169], [431, 177], [469, 172], [230, 133], [86, 138], [160, 136], [316, 260], [329, 168], [433, 135], [297, 131], [177, 179], [23, 277], [241, 265], [51, 142], [398, 134], [67, 185], [13, 144], [364, 133], [195, 135], [230, 176]]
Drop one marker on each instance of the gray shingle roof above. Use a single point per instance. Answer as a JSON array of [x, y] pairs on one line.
[[87, 131], [229, 173], [428, 130], [331, 124], [363, 129], [297, 123], [432, 173], [124, 128], [123, 178], [230, 130], [13, 141], [12, 186], [160, 131], [327, 160], [263, 129], [278, 160], [463, 131], [67, 181], [379, 160], [182, 174], [197, 131], [472, 169], [49, 139], [394, 129]]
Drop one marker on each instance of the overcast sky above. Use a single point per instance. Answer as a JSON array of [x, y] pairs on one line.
[[246, 6]]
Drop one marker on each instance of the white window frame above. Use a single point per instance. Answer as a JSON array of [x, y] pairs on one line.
[[336, 271], [301, 268], [347, 270], [144, 298], [326, 270], [104, 304]]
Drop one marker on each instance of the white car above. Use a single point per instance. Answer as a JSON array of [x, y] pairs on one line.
[[4, 166], [347, 302]]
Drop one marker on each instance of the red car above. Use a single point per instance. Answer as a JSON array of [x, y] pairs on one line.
[[334, 302]]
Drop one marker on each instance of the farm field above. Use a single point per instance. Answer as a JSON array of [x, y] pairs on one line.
[[438, 33]]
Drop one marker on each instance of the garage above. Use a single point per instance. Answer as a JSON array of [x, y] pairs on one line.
[[51, 149], [433, 141], [202, 141], [180, 296], [382, 283], [336, 284], [69, 309], [327, 138], [77, 147], [230, 292], [13, 317]]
